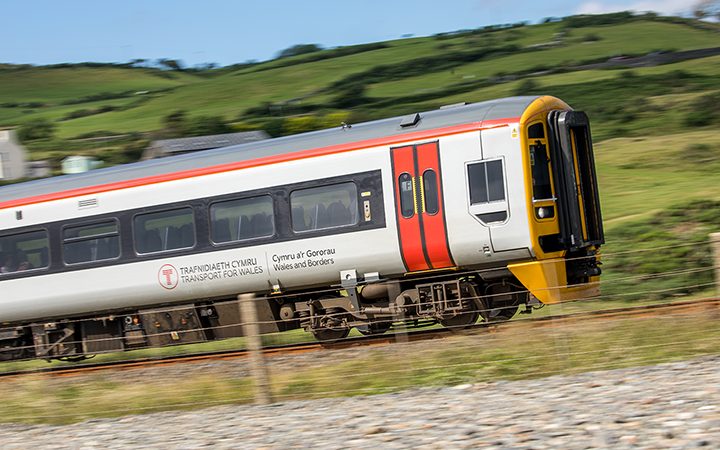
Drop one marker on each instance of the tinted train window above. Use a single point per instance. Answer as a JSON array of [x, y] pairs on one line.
[[94, 242], [407, 196], [24, 251], [540, 165], [430, 189], [164, 230], [486, 182], [241, 219], [324, 207], [536, 131]]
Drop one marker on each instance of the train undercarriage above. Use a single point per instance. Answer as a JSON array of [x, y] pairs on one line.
[[371, 308]]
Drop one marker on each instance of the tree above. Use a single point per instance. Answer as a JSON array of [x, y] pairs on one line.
[[351, 95], [36, 129], [172, 64], [527, 87], [138, 62], [175, 123], [706, 9], [299, 49], [204, 125]]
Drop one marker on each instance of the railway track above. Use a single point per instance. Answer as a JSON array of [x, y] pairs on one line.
[[653, 310]]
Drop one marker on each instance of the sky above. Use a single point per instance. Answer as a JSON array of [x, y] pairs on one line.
[[233, 31]]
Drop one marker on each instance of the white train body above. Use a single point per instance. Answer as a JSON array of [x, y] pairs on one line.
[[444, 228]]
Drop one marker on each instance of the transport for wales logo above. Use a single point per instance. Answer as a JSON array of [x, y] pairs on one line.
[[168, 276]]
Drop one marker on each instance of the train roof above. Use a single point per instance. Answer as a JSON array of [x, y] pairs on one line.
[[506, 108]]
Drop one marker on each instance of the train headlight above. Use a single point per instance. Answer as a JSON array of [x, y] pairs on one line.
[[545, 212]]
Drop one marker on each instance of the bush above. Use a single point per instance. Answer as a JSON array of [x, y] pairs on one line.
[[299, 49], [682, 231], [705, 111], [36, 129], [352, 95], [205, 125], [527, 87], [593, 20], [301, 124]]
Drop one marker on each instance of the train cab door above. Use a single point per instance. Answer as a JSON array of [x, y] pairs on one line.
[[492, 200], [575, 177], [419, 205]]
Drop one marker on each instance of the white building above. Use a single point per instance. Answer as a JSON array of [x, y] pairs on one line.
[[12, 156], [79, 164]]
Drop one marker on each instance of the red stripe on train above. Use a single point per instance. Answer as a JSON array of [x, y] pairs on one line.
[[302, 154]]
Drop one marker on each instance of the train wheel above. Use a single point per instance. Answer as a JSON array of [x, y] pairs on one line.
[[472, 308], [330, 334], [333, 328], [504, 301], [461, 320], [502, 312], [374, 328]]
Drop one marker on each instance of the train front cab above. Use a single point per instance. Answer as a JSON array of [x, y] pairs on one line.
[[563, 204]]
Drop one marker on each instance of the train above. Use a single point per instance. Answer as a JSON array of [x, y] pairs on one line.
[[466, 212]]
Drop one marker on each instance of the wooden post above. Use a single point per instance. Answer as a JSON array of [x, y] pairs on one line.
[[251, 330], [715, 244]]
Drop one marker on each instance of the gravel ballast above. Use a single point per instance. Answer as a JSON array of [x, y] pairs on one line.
[[674, 405]]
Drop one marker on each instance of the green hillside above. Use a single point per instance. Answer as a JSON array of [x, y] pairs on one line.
[[654, 107], [376, 79]]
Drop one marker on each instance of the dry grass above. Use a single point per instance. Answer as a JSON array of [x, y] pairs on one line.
[[521, 351]]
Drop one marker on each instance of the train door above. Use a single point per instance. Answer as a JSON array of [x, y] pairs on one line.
[[579, 204], [494, 202], [419, 206]]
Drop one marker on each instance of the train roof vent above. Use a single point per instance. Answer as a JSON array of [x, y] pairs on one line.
[[88, 203], [454, 105], [410, 121]]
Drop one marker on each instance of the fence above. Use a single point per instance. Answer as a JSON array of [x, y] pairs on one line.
[[524, 349]]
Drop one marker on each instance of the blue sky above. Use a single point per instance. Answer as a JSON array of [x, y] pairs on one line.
[[227, 31]]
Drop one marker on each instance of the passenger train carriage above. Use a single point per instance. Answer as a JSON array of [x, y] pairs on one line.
[[448, 215]]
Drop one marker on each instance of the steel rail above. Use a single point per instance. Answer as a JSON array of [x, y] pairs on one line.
[[384, 339]]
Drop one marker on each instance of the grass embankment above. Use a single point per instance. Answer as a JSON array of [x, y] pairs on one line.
[[513, 353]]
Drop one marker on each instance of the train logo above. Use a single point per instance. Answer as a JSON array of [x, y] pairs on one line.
[[168, 276]]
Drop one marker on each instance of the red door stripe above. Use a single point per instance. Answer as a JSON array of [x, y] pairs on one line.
[[409, 229], [434, 228]]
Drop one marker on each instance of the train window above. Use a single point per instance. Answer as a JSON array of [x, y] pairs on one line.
[[407, 195], [486, 181], [324, 207], [94, 242], [430, 190], [237, 220], [164, 230], [540, 165], [25, 251], [536, 131]]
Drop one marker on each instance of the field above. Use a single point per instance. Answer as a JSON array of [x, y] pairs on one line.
[[556, 350]]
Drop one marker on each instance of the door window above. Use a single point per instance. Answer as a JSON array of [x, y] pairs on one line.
[[430, 192], [486, 184], [407, 195]]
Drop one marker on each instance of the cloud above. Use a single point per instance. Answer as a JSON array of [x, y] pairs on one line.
[[671, 7]]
